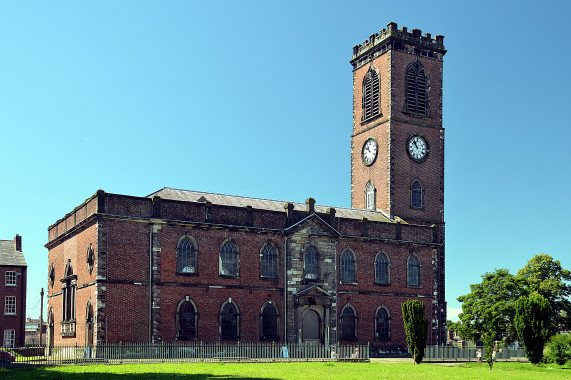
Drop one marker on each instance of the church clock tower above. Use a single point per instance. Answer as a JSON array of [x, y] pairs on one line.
[[397, 145]]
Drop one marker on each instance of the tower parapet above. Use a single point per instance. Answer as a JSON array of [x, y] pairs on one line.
[[412, 42]]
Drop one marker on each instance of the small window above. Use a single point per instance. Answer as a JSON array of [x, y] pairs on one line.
[[10, 278], [381, 269], [413, 271], [382, 325], [269, 322], [229, 320], [186, 320], [371, 90], [370, 196], [10, 305], [348, 324], [9, 338], [348, 273], [186, 256], [416, 195], [311, 263], [268, 262], [229, 259], [52, 275], [90, 258]]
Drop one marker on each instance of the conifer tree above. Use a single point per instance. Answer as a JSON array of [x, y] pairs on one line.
[[415, 326], [532, 324]]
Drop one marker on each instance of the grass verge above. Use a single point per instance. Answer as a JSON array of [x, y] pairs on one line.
[[292, 370]]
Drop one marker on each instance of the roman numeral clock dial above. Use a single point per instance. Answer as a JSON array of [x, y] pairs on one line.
[[417, 148], [369, 152]]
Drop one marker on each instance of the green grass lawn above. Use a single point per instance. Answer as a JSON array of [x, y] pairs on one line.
[[292, 370]]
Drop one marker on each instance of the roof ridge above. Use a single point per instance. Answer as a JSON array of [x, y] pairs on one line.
[[271, 200]]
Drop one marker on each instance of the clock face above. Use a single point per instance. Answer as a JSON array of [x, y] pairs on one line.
[[369, 153], [417, 148]]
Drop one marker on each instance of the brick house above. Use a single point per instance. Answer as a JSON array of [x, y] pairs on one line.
[[183, 265], [13, 269]]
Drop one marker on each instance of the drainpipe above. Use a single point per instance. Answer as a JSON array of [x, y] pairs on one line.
[[285, 290], [151, 285]]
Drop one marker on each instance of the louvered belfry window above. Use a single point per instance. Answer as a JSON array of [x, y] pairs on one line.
[[416, 89], [371, 102]]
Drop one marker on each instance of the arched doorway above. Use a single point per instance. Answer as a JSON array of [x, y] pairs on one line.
[[311, 327]]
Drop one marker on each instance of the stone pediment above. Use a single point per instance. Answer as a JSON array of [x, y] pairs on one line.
[[312, 295], [312, 225]]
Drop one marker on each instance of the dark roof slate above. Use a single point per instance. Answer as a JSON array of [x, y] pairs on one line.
[[9, 255], [264, 204]]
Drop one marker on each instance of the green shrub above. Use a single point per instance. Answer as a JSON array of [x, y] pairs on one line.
[[558, 349]]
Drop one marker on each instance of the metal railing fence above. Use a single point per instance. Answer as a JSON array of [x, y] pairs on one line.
[[185, 352], [469, 354]]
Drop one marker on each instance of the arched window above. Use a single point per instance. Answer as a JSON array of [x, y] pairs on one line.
[[268, 261], [311, 263], [229, 259], [89, 324], [269, 322], [382, 324], [416, 195], [229, 321], [413, 271], [186, 256], [348, 272], [68, 287], [348, 323], [381, 269], [186, 320], [370, 196], [371, 87], [416, 89]]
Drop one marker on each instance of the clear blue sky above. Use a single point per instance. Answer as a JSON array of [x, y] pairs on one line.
[[254, 98]]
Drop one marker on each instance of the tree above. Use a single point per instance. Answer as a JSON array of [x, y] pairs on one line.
[[547, 277], [415, 326], [532, 324], [488, 308]]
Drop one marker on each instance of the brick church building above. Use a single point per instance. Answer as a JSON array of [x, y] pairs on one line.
[[183, 265]]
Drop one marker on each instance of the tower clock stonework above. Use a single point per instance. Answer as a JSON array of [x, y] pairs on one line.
[[397, 104]]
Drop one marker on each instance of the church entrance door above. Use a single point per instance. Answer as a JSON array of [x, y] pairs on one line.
[[311, 327]]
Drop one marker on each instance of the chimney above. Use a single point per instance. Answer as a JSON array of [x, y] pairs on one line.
[[310, 205], [18, 243]]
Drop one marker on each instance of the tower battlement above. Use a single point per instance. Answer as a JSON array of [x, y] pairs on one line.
[[399, 39]]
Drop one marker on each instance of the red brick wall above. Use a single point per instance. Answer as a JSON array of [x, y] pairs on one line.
[[73, 248], [16, 322], [366, 296]]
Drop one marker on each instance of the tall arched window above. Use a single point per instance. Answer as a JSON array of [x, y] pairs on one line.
[[68, 287], [382, 324], [186, 256], [186, 320], [268, 261], [370, 196], [416, 89], [311, 263], [348, 272], [371, 91], [381, 269], [413, 271], [416, 195], [269, 322], [229, 321], [348, 323], [229, 259]]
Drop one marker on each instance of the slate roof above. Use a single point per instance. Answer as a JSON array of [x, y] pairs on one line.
[[9, 255], [264, 204]]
